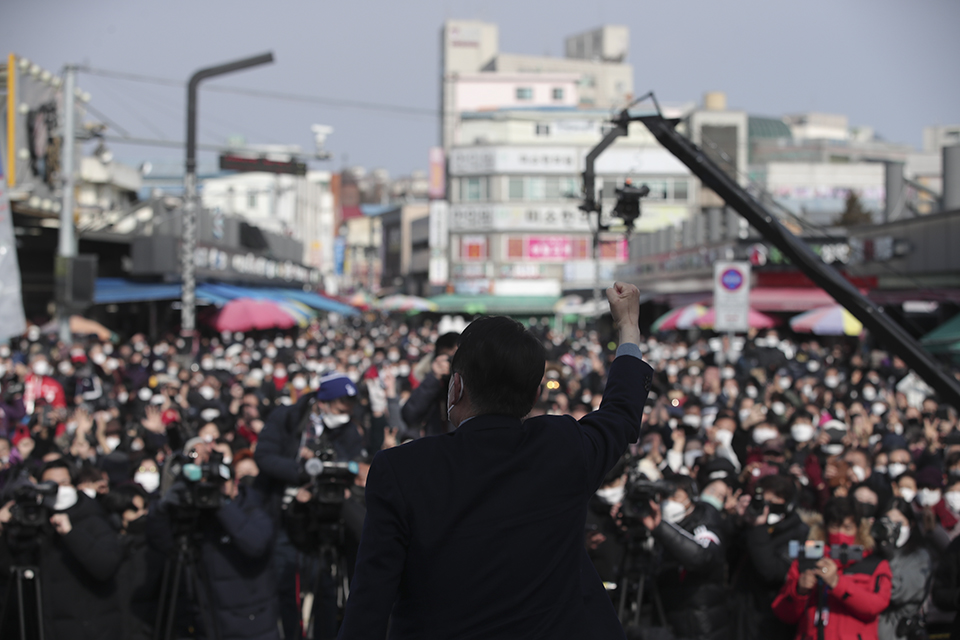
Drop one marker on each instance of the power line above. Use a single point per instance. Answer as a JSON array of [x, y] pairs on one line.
[[275, 95]]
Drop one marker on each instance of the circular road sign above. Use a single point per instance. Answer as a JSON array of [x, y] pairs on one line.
[[731, 279]]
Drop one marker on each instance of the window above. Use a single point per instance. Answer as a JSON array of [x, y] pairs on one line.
[[536, 189], [680, 190], [543, 129], [552, 189], [524, 93], [515, 189], [588, 80], [558, 93], [474, 189], [252, 199]]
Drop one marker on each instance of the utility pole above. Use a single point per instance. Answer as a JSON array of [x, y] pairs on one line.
[[67, 245], [189, 237]]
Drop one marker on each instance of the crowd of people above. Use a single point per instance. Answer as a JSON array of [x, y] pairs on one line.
[[783, 486]]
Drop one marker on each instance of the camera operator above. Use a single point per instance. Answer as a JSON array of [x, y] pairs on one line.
[[769, 526], [691, 580], [234, 534], [77, 552], [899, 541], [837, 598], [324, 419], [426, 408]]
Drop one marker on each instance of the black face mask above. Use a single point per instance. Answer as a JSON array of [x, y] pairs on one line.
[[865, 509], [138, 526], [779, 509], [247, 481]]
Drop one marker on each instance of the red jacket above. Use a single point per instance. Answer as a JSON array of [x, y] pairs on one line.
[[861, 594]]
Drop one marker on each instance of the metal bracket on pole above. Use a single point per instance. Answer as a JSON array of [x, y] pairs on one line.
[[189, 237], [797, 251]]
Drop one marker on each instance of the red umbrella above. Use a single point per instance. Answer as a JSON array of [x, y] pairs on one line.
[[245, 314], [755, 320]]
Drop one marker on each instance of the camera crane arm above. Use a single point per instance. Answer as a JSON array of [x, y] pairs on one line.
[[824, 276]]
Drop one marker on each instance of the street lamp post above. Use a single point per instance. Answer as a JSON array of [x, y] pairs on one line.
[[189, 235]]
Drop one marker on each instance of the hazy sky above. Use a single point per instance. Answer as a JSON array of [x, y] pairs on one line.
[[888, 64]]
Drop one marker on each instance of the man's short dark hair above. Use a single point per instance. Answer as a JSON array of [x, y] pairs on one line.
[[60, 463], [781, 486], [447, 342], [501, 364], [837, 510]]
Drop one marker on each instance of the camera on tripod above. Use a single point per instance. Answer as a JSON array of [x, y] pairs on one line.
[[33, 504], [202, 489], [329, 481], [640, 492]]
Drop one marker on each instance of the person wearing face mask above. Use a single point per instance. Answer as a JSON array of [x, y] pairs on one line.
[[837, 600], [605, 539], [323, 421], [425, 410], [934, 515], [78, 554], [911, 566], [138, 584], [40, 389], [764, 560], [693, 571]]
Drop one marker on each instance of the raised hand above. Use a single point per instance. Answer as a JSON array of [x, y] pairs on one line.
[[624, 302]]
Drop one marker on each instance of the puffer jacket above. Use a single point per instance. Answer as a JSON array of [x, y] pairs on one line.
[[691, 580], [912, 574], [853, 607]]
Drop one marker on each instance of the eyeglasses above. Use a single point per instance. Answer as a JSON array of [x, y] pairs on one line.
[[147, 470]]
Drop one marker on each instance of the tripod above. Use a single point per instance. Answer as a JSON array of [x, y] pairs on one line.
[[25, 587], [185, 565], [332, 566], [638, 562]]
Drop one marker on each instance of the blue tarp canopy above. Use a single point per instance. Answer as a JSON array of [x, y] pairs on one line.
[[231, 292], [117, 290]]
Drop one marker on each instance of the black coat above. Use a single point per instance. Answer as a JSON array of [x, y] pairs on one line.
[[693, 574], [77, 575], [479, 533], [138, 586], [607, 556], [426, 408], [759, 575], [236, 565]]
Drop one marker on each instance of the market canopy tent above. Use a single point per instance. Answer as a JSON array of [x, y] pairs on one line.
[[833, 320], [247, 314], [945, 338], [755, 320], [679, 318]]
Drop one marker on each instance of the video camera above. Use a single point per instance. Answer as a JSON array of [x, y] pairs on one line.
[[33, 504], [203, 482], [329, 481], [640, 492]]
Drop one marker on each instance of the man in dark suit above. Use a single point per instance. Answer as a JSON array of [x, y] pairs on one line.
[[479, 533]]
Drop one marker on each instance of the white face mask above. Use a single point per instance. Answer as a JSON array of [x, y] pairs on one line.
[[123, 397], [897, 428], [690, 457], [831, 382], [299, 383], [904, 535], [908, 494], [112, 443], [869, 393], [149, 480], [763, 434], [144, 394], [334, 420], [752, 392], [41, 368], [724, 437], [953, 500], [896, 469], [778, 408], [802, 432], [774, 518], [206, 392], [692, 420], [928, 497], [611, 495], [744, 414], [66, 498], [859, 473], [783, 383], [880, 469], [672, 511], [209, 414]]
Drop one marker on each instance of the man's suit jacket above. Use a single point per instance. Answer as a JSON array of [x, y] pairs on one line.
[[479, 533]]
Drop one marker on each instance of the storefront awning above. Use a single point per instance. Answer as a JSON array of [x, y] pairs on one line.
[[506, 305], [231, 292], [117, 290], [945, 338]]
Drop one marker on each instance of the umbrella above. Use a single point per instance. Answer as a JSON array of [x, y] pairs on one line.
[[679, 318], [755, 320], [82, 327], [827, 321], [246, 314], [300, 312], [400, 302], [362, 300]]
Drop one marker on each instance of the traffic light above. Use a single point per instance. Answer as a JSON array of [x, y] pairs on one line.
[[628, 203]]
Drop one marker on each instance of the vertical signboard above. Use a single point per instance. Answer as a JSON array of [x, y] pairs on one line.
[[436, 188], [731, 296], [12, 321], [439, 239]]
